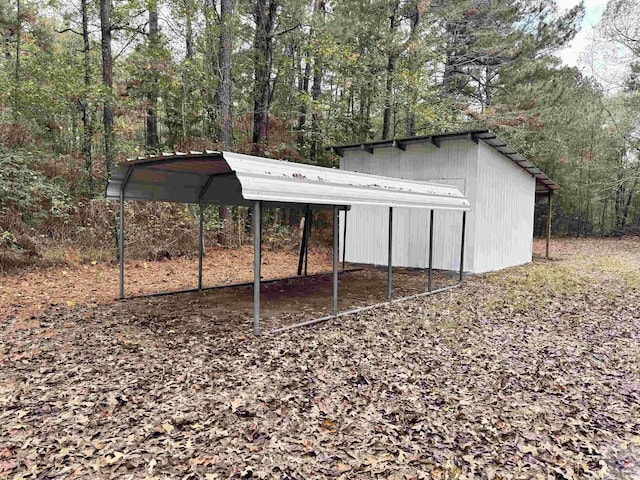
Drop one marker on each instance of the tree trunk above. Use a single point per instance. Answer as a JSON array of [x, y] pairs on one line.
[[624, 216], [107, 113], [87, 121], [303, 87], [316, 89], [264, 13], [388, 101], [152, 119], [186, 77], [16, 92], [416, 16], [210, 67], [391, 66], [225, 132]]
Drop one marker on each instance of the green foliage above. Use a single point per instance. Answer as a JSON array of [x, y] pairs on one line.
[[29, 192], [431, 66]]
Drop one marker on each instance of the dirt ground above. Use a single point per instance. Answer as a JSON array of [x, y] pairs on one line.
[[530, 372], [230, 310], [31, 292]]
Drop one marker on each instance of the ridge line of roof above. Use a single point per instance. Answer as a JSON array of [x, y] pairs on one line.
[[542, 179]]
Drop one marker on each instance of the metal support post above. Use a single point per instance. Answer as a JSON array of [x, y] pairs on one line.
[[430, 272], [307, 226], [125, 181], [548, 221], [336, 252], [464, 224], [389, 257], [121, 243], [257, 227], [304, 241], [201, 196], [344, 240], [201, 245]]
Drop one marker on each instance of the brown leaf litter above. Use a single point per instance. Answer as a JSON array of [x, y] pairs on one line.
[[531, 372]]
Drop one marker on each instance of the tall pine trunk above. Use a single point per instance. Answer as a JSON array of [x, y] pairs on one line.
[[152, 97], [316, 89], [87, 121], [303, 88], [410, 131], [264, 12], [107, 112], [16, 93], [391, 67], [225, 131], [186, 76]]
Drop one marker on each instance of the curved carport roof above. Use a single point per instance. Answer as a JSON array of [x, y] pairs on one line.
[[233, 179]]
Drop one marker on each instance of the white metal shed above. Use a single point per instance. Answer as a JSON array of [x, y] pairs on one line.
[[500, 184]]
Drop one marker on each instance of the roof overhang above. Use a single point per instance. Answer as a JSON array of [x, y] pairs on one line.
[[544, 185], [233, 179]]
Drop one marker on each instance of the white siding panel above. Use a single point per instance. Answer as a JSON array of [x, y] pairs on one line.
[[503, 209], [367, 227]]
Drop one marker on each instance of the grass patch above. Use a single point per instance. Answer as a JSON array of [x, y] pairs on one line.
[[519, 290], [608, 264], [73, 256], [539, 279]]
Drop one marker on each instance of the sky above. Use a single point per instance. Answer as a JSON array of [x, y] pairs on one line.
[[593, 12]]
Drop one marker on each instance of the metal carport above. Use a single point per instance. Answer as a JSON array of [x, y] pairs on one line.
[[227, 178]]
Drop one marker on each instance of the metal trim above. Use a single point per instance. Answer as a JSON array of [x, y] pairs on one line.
[[358, 310]]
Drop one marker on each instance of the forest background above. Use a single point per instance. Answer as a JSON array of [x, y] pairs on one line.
[[87, 83]]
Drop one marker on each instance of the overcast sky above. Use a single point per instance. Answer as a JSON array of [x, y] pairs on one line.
[[593, 11]]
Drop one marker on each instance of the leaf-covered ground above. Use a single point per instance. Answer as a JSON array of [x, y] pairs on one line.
[[31, 292], [532, 372]]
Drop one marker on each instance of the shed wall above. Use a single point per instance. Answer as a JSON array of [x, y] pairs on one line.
[[455, 163], [503, 208]]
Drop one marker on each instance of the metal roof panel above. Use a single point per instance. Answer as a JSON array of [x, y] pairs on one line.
[[238, 179]]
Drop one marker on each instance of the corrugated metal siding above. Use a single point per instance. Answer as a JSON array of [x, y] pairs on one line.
[[503, 207], [367, 229]]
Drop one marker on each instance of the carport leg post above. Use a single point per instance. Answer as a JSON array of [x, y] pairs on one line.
[[257, 225], [201, 245], [336, 253], [123, 185], [464, 224], [303, 243], [389, 255], [548, 221], [430, 272], [121, 243], [344, 240], [307, 226]]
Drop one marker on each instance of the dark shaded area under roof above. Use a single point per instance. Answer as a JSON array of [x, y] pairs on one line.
[[544, 185]]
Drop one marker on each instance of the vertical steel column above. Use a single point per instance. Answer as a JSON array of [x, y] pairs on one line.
[[307, 226], [257, 254], [344, 240], [464, 224], [201, 245], [123, 186], [303, 241], [548, 221], [203, 192], [389, 256], [430, 273], [121, 242], [336, 253]]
